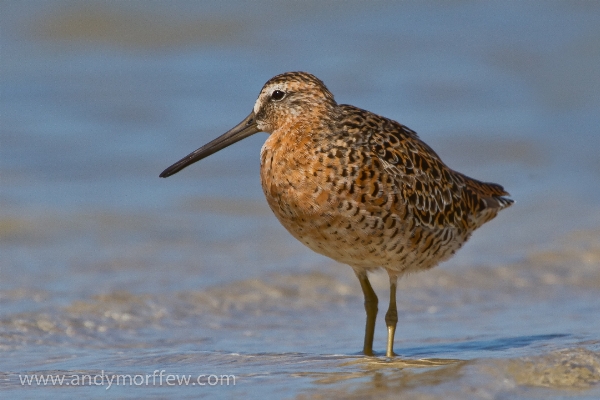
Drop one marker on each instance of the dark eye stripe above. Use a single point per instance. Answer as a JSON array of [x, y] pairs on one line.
[[277, 95]]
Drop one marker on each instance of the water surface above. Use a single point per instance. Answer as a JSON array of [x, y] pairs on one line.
[[108, 270]]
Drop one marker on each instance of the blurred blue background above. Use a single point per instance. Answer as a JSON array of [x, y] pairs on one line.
[[98, 97]]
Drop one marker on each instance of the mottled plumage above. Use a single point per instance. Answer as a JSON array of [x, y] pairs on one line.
[[358, 187]]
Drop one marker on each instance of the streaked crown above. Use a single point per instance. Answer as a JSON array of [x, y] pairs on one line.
[[290, 96]]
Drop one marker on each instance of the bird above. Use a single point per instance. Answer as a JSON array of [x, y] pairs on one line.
[[357, 187]]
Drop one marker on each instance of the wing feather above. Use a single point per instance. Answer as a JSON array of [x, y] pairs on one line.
[[435, 195]]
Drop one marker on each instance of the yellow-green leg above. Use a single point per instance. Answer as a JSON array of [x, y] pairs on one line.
[[371, 309], [391, 318]]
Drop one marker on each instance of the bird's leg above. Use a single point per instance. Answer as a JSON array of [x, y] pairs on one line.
[[391, 317], [370, 308]]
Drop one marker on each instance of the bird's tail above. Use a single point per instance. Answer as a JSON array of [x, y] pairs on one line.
[[493, 195]]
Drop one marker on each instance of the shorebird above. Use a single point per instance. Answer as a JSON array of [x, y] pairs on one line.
[[357, 187]]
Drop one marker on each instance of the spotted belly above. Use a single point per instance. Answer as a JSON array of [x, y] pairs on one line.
[[321, 213]]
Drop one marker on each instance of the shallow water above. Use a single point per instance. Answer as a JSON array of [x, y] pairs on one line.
[[107, 270]]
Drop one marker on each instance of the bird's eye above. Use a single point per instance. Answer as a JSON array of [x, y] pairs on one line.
[[277, 95]]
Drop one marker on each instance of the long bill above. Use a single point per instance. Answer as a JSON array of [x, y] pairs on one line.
[[241, 131]]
